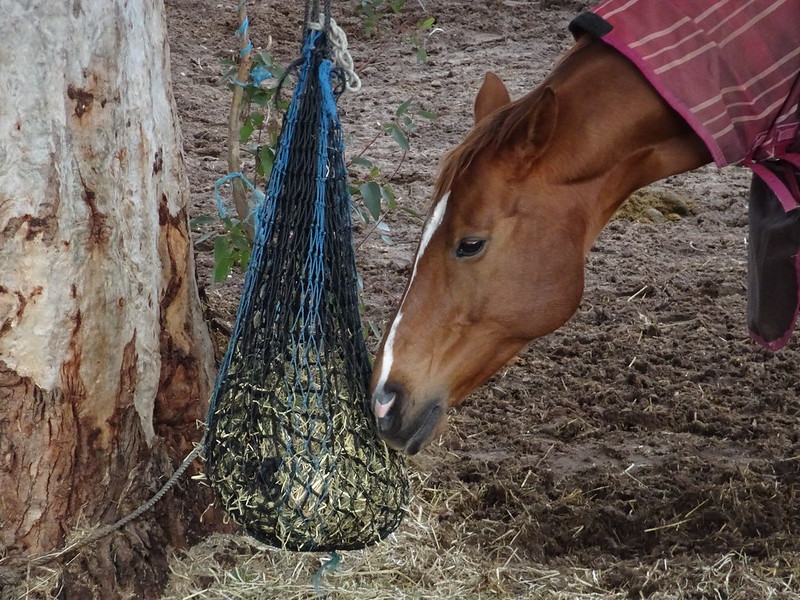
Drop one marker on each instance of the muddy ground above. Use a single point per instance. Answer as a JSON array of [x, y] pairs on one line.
[[649, 427]]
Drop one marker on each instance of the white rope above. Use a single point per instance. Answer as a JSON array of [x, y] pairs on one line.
[[341, 54]]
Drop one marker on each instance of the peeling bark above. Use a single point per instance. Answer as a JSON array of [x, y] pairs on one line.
[[105, 362]]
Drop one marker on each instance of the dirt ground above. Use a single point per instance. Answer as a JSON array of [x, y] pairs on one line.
[[649, 428]]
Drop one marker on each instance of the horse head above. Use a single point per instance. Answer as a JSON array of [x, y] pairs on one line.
[[497, 248], [500, 262]]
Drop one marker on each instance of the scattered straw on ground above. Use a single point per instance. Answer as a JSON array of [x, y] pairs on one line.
[[415, 563]]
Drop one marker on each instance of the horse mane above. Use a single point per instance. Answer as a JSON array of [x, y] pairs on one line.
[[493, 133]]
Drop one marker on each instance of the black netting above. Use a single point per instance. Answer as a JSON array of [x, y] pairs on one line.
[[291, 448]]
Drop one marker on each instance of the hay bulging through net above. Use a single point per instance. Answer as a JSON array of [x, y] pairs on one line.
[[291, 450]]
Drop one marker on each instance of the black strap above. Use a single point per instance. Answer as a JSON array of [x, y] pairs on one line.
[[590, 23], [773, 245]]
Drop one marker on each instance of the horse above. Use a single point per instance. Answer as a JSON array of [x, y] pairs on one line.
[[516, 208]]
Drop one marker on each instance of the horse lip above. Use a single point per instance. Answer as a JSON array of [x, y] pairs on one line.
[[426, 427]]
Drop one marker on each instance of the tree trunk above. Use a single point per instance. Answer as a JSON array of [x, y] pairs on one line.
[[105, 362]]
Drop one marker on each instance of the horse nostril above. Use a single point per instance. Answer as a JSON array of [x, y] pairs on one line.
[[385, 405], [386, 423]]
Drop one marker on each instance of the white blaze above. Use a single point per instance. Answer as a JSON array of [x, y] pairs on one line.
[[388, 347]]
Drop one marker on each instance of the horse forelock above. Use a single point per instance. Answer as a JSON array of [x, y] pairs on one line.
[[495, 133]]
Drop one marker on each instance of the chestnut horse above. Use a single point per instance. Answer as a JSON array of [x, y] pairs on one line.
[[516, 208]]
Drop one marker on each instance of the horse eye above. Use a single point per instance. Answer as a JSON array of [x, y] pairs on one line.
[[469, 247]]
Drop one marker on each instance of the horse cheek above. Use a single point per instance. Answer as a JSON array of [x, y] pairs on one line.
[[549, 297]]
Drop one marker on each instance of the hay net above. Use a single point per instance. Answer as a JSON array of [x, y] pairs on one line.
[[291, 448]]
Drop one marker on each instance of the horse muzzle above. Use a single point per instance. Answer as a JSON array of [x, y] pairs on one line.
[[402, 429]]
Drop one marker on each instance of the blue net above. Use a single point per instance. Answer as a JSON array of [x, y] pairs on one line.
[[292, 449]]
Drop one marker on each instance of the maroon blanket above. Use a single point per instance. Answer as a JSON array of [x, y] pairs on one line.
[[731, 69]]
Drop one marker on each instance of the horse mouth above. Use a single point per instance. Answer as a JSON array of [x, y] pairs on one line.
[[427, 424]]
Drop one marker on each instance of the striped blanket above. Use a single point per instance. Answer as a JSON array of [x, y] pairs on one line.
[[731, 69]]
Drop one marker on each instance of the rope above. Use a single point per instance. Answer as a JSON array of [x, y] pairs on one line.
[[12, 574], [257, 194], [341, 54], [330, 564]]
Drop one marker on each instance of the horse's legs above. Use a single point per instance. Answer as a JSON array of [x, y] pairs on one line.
[[773, 297]]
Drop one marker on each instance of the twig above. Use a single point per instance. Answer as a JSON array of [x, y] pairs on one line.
[[399, 164], [365, 148], [372, 229], [240, 202]]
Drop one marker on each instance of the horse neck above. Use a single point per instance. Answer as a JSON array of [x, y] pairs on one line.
[[614, 134]]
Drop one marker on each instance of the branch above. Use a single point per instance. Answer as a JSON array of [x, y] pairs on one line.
[[240, 202]]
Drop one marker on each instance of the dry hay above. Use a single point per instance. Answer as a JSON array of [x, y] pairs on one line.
[[655, 205], [421, 560], [425, 560], [302, 469]]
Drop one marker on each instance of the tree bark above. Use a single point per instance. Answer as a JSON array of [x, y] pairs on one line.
[[105, 362]]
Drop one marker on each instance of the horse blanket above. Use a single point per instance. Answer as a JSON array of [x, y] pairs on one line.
[[731, 69]]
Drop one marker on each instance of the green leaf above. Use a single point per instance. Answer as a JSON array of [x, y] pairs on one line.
[[244, 258], [370, 24], [371, 193], [245, 132], [374, 328], [265, 159], [400, 138], [403, 107], [227, 77], [204, 237], [426, 23], [362, 162], [387, 240], [388, 194], [197, 222], [426, 114], [362, 216], [422, 55], [256, 119], [258, 96], [411, 212], [223, 261]]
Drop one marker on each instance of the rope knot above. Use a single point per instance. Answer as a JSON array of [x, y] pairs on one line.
[[341, 55]]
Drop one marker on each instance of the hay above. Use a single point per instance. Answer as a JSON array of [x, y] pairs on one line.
[[306, 473], [655, 205], [416, 562]]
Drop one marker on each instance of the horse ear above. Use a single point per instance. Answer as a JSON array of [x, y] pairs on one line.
[[542, 122], [492, 95]]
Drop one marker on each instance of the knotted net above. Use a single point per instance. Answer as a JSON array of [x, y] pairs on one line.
[[291, 449]]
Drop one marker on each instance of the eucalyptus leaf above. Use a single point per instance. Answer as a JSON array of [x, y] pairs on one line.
[[201, 220], [403, 108], [371, 193], [400, 138], [362, 162], [223, 260]]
